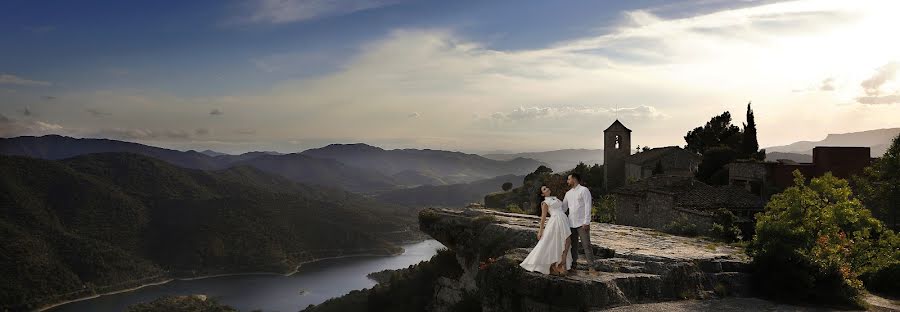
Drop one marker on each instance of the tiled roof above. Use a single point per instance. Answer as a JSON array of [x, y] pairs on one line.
[[616, 125], [694, 194], [659, 183], [713, 197], [646, 157]]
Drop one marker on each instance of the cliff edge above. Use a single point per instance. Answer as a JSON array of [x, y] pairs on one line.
[[636, 265]]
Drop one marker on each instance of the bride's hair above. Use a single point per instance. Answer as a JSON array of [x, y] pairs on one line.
[[539, 197]]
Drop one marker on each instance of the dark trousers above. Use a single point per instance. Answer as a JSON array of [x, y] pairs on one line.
[[584, 235]]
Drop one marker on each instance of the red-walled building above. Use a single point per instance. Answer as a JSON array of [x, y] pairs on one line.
[[762, 177]]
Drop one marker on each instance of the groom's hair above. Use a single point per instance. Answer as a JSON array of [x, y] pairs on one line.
[[576, 176]]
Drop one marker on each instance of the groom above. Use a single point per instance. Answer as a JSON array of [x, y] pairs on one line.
[[578, 203]]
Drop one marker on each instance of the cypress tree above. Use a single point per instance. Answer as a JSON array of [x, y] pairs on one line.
[[749, 144]]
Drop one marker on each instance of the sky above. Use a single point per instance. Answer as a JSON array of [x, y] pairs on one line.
[[474, 76]]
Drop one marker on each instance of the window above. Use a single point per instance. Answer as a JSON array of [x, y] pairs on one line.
[[618, 142]]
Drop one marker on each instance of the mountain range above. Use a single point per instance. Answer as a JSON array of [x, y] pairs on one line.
[[414, 166], [878, 140], [71, 227], [452, 196], [356, 167], [558, 160]]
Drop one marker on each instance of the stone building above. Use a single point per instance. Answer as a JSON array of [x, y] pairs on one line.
[[657, 201], [672, 159], [766, 178], [616, 147], [620, 167]]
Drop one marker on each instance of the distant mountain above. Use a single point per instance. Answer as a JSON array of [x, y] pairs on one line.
[[449, 167], [107, 221], [559, 160], [878, 140], [321, 171], [293, 166], [212, 153], [453, 195], [62, 147], [800, 158]]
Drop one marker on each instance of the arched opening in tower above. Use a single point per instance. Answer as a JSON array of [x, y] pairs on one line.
[[618, 140]]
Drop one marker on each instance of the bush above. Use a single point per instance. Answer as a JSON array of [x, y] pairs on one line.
[[813, 241], [514, 209], [604, 209], [681, 226], [725, 227]]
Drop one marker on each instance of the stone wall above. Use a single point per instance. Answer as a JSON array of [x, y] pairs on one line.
[[657, 210]]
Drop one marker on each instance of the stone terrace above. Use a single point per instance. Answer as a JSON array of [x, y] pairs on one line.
[[636, 265]]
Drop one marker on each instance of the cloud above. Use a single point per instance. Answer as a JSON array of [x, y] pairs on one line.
[[289, 11], [670, 74], [10, 127], [880, 99], [245, 131], [827, 84], [414, 115], [142, 134], [26, 111], [216, 112], [201, 131], [94, 112], [883, 74], [16, 80], [48, 97], [565, 112]]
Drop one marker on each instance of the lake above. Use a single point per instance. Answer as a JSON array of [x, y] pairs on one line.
[[271, 292]]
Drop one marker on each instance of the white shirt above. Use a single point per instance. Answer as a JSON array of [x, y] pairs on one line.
[[578, 203]]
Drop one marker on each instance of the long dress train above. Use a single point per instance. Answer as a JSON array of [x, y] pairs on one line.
[[550, 247]]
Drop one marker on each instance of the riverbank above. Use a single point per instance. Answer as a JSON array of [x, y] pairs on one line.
[[167, 279]]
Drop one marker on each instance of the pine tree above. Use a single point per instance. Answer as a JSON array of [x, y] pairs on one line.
[[749, 144]]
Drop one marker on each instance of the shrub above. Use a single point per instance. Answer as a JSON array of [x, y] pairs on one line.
[[814, 240], [604, 209], [724, 226], [514, 209], [681, 226]]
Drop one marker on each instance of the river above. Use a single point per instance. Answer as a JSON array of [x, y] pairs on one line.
[[318, 281]]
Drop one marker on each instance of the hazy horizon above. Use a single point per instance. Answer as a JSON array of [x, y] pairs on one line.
[[286, 76]]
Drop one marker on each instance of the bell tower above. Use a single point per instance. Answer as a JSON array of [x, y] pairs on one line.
[[616, 147]]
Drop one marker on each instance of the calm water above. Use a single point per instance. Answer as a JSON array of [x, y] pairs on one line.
[[321, 280]]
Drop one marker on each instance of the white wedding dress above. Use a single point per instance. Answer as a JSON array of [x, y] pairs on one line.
[[550, 247]]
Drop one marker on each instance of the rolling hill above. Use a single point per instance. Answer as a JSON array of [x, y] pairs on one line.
[[100, 222], [434, 165], [296, 167], [559, 160], [453, 195]]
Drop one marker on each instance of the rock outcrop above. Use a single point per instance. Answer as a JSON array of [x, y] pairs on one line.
[[636, 265]]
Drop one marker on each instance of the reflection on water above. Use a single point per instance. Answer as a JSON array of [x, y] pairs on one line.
[[312, 284]]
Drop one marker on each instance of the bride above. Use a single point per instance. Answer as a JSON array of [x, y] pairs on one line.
[[551, 254]]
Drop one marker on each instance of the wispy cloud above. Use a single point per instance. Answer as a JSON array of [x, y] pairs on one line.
[[97, 112], [216, 112], [827, 84], [142, 134], [288, 11], [10, 127], [874, 86], [16, 80]]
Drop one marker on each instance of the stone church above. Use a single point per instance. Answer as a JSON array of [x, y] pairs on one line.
[[621, 167], [657, 199]]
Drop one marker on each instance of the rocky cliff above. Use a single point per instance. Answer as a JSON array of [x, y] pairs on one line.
[[636, 265]]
